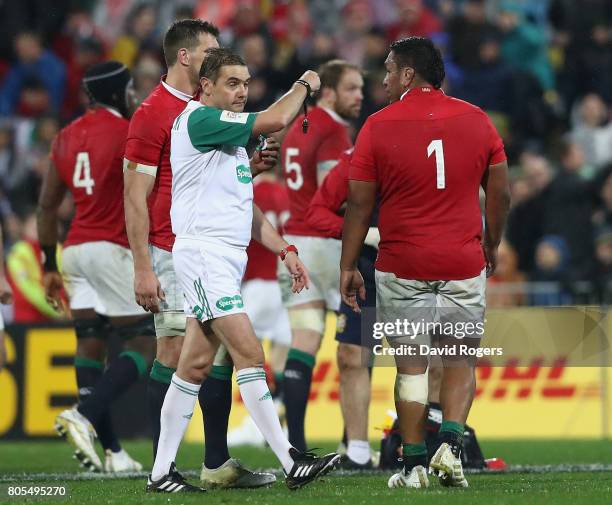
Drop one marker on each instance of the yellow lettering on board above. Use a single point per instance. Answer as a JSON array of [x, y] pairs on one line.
[[43, 380]]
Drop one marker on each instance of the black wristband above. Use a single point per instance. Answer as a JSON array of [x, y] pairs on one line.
[[306, 85], [50, 263]]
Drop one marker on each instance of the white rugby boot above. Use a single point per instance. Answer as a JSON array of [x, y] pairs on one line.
[[446, 464], [79, 433], [120, 462], [416, 479]]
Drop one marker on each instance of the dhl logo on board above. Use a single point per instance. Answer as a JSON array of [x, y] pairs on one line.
[[539, 378]]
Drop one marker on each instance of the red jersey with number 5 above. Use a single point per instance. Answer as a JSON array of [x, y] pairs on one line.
[[301, 153], [88, 155], [427, 154], [271, 197]]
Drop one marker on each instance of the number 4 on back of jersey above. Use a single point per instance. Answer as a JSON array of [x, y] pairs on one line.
[[435, 146], [82, 173]]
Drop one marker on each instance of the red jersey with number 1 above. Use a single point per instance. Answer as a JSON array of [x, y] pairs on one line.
[[271, 197], [326, 140], [88, 156], [427, 153], [148, 148]]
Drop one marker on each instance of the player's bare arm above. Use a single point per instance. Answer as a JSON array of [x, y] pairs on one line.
[[497, 204], [360, 206], [265, 233], [51, 196], [283, 111], [147, 289], [265, 158]]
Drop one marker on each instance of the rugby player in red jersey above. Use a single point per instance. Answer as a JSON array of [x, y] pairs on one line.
[[306, 159], [354, 351], [262, 297], [87, 161], [148, 182], [426, 156], [260, 289]]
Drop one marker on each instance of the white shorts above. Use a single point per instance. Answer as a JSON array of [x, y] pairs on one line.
[[209, 275], [170, 320], [321, 257], [263, 304], [100, 276], [460, 301]]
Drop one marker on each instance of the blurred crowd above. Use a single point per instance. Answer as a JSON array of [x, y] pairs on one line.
[[542, 69]]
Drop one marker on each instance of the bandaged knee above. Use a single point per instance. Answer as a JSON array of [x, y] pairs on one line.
[[411, 388], [307, 319]]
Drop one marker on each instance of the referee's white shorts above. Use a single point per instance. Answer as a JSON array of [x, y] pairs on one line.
[[210, 277]]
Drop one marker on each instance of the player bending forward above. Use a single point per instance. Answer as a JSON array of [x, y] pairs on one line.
[[213, 218]]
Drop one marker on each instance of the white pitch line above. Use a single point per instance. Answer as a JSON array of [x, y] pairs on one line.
[[82, 476]]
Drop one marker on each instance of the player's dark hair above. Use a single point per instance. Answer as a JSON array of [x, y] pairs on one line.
[[420, 54], [105, 83], [185, 33], [331, 72], [217, 57]]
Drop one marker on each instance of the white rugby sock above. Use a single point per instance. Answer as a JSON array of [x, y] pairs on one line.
[[358, 451], [258, 401], [176, 413]]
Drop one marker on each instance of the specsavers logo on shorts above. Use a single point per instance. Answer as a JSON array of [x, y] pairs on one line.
[[230, 302], [244, 174]]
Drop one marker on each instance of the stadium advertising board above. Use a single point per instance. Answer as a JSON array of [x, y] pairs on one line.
[[543, 395]]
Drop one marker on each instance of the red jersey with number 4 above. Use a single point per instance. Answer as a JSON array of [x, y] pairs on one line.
[[148, 150], [427, 153], [88, 155], [271, 197], [326, 139]]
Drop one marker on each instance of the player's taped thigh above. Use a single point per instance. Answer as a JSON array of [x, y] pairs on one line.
[[97, 327], [143, 327], [412, 388], [307, 319], [170, 324]]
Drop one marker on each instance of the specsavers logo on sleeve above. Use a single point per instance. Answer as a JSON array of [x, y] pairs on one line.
[[234, 117], [243, 173], [230, 302]]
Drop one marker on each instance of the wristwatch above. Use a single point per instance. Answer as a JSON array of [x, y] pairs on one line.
[[288, 249]]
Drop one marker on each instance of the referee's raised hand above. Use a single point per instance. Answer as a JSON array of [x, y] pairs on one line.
[[312, 78]]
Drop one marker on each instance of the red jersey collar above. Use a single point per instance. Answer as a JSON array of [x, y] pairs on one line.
[[175, 92], [421, 90]]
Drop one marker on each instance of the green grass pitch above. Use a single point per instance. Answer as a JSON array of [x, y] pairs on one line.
[[563, 482]]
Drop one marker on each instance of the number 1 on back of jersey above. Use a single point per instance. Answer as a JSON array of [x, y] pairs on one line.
[[435, 146]]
